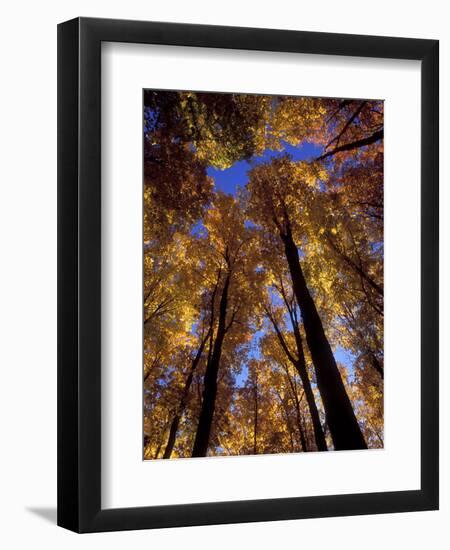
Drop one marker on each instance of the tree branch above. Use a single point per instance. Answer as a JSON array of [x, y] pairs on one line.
[[377, 136]]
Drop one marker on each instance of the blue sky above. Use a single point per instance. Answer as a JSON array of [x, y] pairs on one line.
[[229, 181]]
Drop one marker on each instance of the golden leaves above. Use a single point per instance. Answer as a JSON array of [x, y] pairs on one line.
[[196, 238]]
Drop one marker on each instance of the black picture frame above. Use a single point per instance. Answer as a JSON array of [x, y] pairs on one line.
[[79, 274]]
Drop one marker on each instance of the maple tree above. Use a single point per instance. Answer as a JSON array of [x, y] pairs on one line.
[[263, 302]]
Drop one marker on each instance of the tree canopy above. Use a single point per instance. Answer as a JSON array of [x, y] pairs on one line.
[[263, 288]]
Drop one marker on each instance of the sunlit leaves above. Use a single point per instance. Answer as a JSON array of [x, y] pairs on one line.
[[196, 238]]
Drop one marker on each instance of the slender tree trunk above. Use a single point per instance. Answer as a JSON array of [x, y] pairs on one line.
[[158, 448], [300, 365], [319, 436], [301, 431], [302, 371], [376, 364], [288, 421], [202, 436], [172, 434], [183, 402], [344, 428]]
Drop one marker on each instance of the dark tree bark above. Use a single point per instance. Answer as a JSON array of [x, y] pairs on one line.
[[202, 436], [376, 364], [301, 431], [184, 398], [341, 419], [317, 426], [300, 365], [303, 372], [158, 448], [301, 427], [291, 431], [373, 138]]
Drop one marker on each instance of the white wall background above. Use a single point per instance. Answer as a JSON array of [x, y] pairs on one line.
[[28, 271]]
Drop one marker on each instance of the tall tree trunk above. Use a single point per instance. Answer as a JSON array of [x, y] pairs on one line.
[[341, 419], [183, 401], [301, 431], [158, 448], [202, 436], [300, 365], [288, 421], [376, 364], [302, 371]]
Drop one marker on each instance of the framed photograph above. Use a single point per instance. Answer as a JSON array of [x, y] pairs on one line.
[[247, 276]]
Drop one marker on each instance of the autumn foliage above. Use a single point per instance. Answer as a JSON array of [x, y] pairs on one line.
[[263, 300]]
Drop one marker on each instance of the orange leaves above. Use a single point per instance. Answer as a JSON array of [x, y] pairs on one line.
[[196, 238]]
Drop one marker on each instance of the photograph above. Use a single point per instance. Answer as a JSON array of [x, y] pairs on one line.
[[232, 223], [263, 288]]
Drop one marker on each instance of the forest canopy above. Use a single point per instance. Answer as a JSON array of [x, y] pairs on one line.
[[263, 274]]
